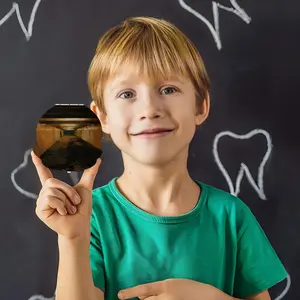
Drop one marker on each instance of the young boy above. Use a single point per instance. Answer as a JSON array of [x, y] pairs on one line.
[[154, 232]]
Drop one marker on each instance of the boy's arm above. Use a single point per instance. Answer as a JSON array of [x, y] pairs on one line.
[[74, 280], [261, 296], [100, 294], [178, 288], [258, 267]]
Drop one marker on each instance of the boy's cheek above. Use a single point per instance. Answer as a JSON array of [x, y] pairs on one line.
[[119, 134]]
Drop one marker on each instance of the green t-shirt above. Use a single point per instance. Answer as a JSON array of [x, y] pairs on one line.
[[219, 242]]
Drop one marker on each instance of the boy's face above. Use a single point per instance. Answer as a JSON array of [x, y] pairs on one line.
[[151, 122]]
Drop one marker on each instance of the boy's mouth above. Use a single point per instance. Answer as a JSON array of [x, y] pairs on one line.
[[153, 132]]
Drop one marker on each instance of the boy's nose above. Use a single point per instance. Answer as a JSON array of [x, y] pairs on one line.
[[151, 108], [151, 111]]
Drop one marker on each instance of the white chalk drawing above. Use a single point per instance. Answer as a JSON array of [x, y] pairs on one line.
[[215, 29], [40, 297], [16, 9], [285, 291], [16, 170], [74, 176], [244, 170]]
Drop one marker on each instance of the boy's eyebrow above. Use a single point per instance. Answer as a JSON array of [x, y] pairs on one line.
[[117, 84]]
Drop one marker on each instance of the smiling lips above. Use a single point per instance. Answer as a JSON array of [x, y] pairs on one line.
[[153, 132]]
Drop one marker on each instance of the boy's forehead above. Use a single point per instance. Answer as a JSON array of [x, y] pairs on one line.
[[132, 74]]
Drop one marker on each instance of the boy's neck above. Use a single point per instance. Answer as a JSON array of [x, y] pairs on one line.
[[164, 190]]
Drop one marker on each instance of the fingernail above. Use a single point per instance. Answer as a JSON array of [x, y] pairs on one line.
[[73, 209], [77, 199], [120, 295]]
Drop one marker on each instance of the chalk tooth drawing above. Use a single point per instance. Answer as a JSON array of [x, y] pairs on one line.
[[244, 170], [74, 176], [16, 170], [285, 291], [215, 29], [16, 9], [40, 297]]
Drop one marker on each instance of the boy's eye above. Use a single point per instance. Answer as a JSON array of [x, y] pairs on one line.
[[129, 94], [168, 90], [126, 95]]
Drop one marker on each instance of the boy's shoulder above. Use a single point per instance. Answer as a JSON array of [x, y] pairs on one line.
[[221, 199], [103, 190], [103, 194]]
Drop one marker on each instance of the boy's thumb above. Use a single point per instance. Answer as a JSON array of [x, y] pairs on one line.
[[89, 175]]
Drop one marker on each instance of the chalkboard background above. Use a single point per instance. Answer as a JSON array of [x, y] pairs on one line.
[[45, 50]]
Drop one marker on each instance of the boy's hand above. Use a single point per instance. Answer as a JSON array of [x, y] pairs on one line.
[[57, 200], [174, 289]]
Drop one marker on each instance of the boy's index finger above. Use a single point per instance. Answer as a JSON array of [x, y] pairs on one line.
[[43, 172]]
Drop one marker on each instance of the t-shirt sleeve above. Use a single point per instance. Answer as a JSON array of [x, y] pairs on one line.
[[258, 267], [96, 255]]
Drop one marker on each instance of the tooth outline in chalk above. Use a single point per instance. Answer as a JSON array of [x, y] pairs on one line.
[[16, 9], [215, 30], [74, 176], [244, 170], [40, 297], [286, 289], [16, 170]]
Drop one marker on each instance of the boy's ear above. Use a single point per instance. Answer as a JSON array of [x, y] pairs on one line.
[[102, 116], [203, 111]]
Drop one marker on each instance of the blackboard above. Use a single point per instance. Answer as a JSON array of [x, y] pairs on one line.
[[249, 146]]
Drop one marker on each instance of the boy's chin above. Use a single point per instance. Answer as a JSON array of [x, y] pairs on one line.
[[155, 160]]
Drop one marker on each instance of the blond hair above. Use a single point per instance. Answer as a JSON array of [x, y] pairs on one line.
[[155, 46]]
